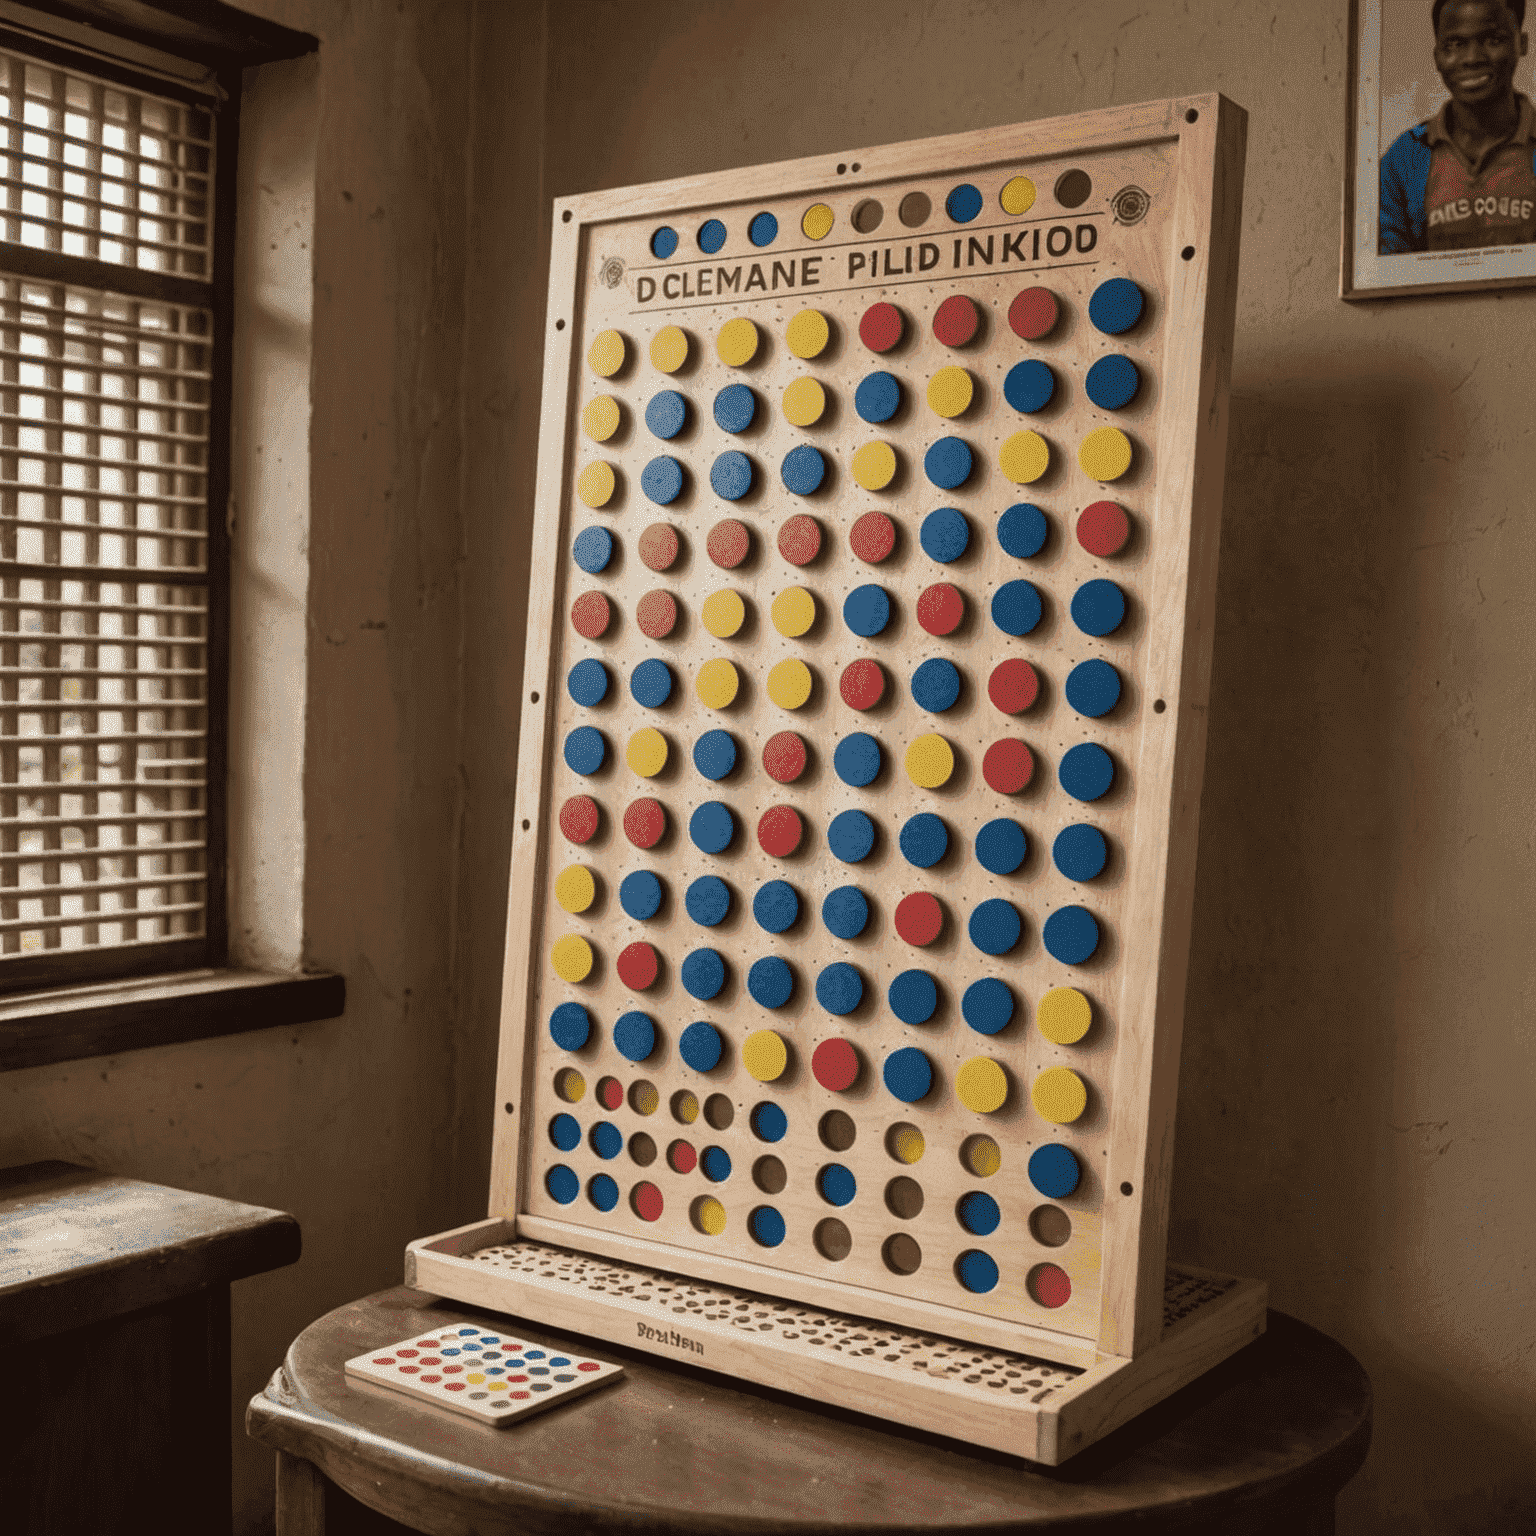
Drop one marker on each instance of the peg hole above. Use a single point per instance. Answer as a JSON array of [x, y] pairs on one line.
[[1188, 253], [565, 218], [1192, 116], [559, 325], [1127, 1189], [525, 826], [1158, 706], [842, 170]]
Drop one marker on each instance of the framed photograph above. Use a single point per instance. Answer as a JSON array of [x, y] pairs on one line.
[[1440, 177]]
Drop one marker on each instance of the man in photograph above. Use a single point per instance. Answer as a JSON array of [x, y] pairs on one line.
[[1466, 178]]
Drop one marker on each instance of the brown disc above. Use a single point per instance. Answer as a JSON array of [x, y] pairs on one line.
[[729, 543], [660, 547], [800, 539]]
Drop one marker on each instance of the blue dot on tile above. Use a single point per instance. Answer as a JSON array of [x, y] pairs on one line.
[[948, 463], [663, 242], [700, 1046], [766, 1226], [712, 827], [703, 974], [1115, 306], [924, 840], [640, 895], [1001, 846], [593, 550], [1054, 1171], [1098, 607], [1029, 386], [936, 685], [978, 1213], [587, 683], [651, 683], [836, 1184], [585, 750], [995, 926], [604, 1194], [877, 398], [666, 414], [562, 1184], [607, 1139], [1016, 607], [570, 1025], [945, 535], [1112, 383], [735, 406], [987, 1006], [1086, 771], [963, 203], [845, 912], [730, 476], [711, 236], [1080, 852], [1093, 687], [839, 988], [708, 901], [977, 1271], [770, 982], [1022, 530], [803, 470], [867, 610], [714, 754], [856, 760], [662, 480], [634, 1036], [763, 230], [1070, 935], [565, 1132], [715, 1164], [768, 1122], [914, 997], [851, 836], [908, 1074], [776, 906]]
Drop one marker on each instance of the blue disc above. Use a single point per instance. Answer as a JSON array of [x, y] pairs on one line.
[[977, 1271], [715, 1164], [730, 476], [565, 1132], [766, 1226], [1115, 306], [856, 760], [987, 1006], [770, 982], [1053, 1170], [836, 1184], [585, 750], [768, 1122], [924, 840], [711, 236], [839, 988], [700, 1047], [776, 906], [650, 684], [1112, 382], [634, 1036], [867, 610], [702, 974], [995, 926], [963, 203], [569, 1026], [936, 685], [593, 550], [607, 1139], [1086, 771], [714, 754], [640, 895], [945, 535], [1098, 607], [662, 480], [1093, 688], [1029, 386], [1022, 530], [1080, 852], [914, 997], [851, 836], [845, 912], [666, 414], [1070, 935], [663, 242], [602, 1192], [763, 230], [735, 406], [708, 900], [978, 1213], [803, 470], [877, 398], [1016, 607], [562, 1184], [712, 827], [1001, 846], [588, 683], [948, 463], [908, 1074]]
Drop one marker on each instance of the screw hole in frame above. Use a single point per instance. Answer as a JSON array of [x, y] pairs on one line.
[[1188, 253], [854, 166], [842, 170], [565, 218], [559, 325], [526, 826], [533, 698], [1158, 706], [508, 1106], [1192, 116], [1127, 1189]]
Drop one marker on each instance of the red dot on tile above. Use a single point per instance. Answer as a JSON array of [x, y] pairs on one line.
[[659, 547], [518, 1397], [1033, 313], [729, 543], [589, 1365], [940, 608], [656, 614], [955, 320], [682, 1158], [919, 918], [1103, 528], [645, 823], [610, 1092], [784, 757], [411, 1353], [779, 830], [881, 327], [1013, 686], [453, 1386], [1049, 1285], [862, 684], [872, 537], [578, 818], [1008, 766], [409, 1370], [433, 1379], [590, 614], [637, 966], [835, 1065], [800, 539], [385, 1360]]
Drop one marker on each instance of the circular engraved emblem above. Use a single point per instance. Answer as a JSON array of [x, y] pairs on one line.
[[611, 273], [1130, 205]]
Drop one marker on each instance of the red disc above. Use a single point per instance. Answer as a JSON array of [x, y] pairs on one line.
[[1033, 313], [590, 614], [1013, 686], [955, 320], [800, 539], [835, 1065], [940, 608], [681, 1158], [1103, 528], [779, 830], [919, 918], [578, 818], [862, 684], [882, 327], [646, 1202], [637, 966], [610, 1092], [784, 757], [1008, 765], [656, 614], [645, 823], [659, 547], [729, 543], [872, 537], [1049, 1285]]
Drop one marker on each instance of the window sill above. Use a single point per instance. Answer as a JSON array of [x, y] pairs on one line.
[[70, 1023]]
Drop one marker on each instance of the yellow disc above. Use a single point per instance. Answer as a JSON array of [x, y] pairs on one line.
[[644, 1099], [722, 615], [669, 348], [474, 1378], [1064, 1015], [874, 466], [600, 418], [1018, 196], [1059, 1095], [808, 333], [595, 484], [607, 354], [647, 752], [717, 683], [789, 683], [930, 761], [804, 401], [794, 611], [497, 1386], [950, 391], [982, 1085], [685, 1107], [570, 1085], [906, 1144], [764, 1055], [817, 223], [575, 889], [710, 1216], [981, 1155], [737, 342], [1024, 457], [1105, 454], [571, 957]]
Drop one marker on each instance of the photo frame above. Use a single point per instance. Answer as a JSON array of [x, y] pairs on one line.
[[1394, 85]]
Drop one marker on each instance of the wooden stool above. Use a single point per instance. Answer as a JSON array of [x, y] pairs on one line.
[[1261, 1446]]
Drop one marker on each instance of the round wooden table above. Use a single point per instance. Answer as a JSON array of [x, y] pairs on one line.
[[1260, 1445]]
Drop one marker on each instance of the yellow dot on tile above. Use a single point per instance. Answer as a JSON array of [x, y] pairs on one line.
[[789, 683], [1064, 1015], [669, 348], [817, 223], [804, 402], [474, 1378], [737, 342], [723, 614], [607, 354], [1059, 1095], [497, 1386], [981, 1155], [808, 333], [571, 957], [930, 761], [685, 1107], [644, 1099], [600, 418], [1105, 454], [950, 391], [575, 889], [874, 466], [1018, 196], [710, 1215], [982, 1085], [595, 484], [1024, 457], [906, 1144], [794, 611], [717, 684], [647, 752], [764, 1055], [570, 1085]]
